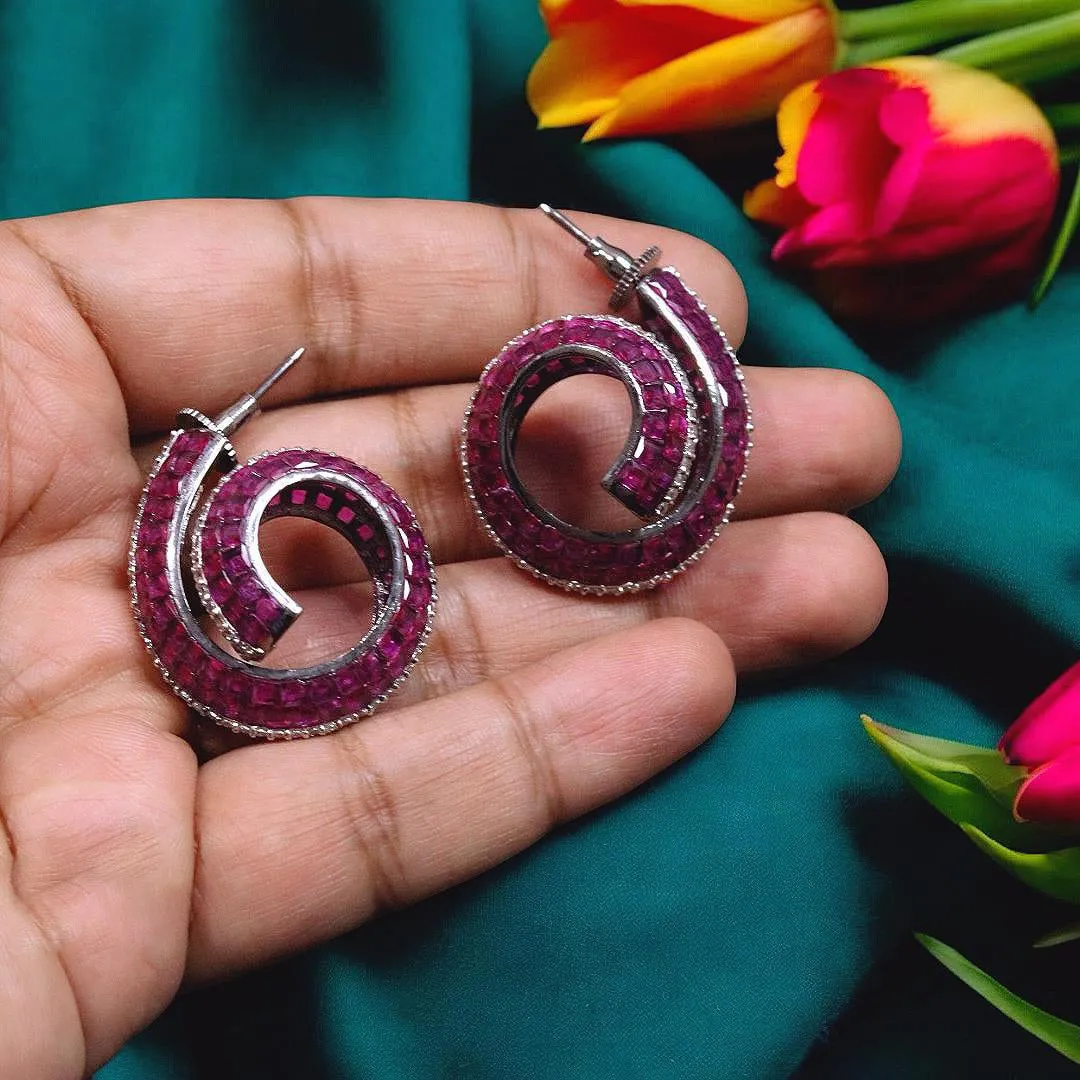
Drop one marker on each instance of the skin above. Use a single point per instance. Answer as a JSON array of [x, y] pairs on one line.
[[126, 867]]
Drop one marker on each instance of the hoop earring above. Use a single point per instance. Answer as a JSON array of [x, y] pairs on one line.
[[233, 588], [685, 457]]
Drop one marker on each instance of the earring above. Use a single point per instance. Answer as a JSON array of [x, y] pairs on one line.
[[684, 459], [222, 566]]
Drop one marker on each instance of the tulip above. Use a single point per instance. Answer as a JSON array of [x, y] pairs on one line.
[[636, 67], [910, 188], [1046, 739]]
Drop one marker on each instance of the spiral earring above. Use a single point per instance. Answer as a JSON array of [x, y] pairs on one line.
[[685, 457], [218, 572]]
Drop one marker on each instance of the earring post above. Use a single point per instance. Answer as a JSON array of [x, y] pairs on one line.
[[564, 222], [277, 373]]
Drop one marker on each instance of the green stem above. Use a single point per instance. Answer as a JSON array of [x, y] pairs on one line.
[[1061, 244], [864, 52], [1064, 115], [1040, 50], [948, 18]]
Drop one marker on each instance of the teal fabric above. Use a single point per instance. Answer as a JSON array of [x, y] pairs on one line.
[[748, 914]]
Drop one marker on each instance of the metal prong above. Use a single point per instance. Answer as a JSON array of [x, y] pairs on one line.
[[248, 405], [277, 373], [616, 263], [562, 220]]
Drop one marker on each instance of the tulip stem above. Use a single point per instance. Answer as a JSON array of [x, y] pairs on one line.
[[865, 52], [1061, 245], [1063, 116], [1040, 50], [946, 19]]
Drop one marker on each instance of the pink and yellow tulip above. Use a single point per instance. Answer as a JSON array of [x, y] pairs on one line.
[[637, 67], [910, 187]]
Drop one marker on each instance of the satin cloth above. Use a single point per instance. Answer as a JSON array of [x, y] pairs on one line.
[[748, 915]]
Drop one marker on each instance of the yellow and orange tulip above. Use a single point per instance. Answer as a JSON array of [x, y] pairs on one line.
[[911, 187], [639, 67]]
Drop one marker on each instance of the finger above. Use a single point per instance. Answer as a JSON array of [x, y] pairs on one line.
[[779, 591], [209, 294], [299, 842], [825, 440]]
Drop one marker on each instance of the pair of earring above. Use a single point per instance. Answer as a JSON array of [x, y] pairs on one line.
[[196, 559]]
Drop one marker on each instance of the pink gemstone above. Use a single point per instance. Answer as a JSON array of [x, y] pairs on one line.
[[291, 693], [248, 589], [371, 671], [220, 591], [153, 534], [654, 397], [346, 516], [267, 611], [633, 479], [158, 509], [420, 594], [171, 650], [212, 564], [234, 565], [734, 420], [549, 540], [390, 645], [264, 693], [653, 425], [149, 561], [649, 371], [156, 587], [699, 525], [228, 537], [575, 552], [654, 555], [548, 336], [250, 630]]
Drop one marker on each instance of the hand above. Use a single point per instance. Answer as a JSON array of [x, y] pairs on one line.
[[126, 867]]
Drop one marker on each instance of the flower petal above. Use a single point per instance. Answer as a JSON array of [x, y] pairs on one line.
[[1051, 793], [746, 11], [792, 122], [1049, 725], [772, 204], [731, 81], [581, 72], [845, 157], [560, 13], [970, 106]]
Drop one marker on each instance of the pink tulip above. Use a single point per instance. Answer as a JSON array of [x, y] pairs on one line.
[[1046, 738], [910, 188]]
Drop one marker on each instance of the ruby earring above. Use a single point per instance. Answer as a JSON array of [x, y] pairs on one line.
[[182, 584], [685, 456]]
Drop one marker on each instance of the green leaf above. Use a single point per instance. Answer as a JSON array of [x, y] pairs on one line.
[[1060, 1034], [946, 18], [970, 785], [1029, 53], [1062, 936], [1062, 115], [1061, 244], [1056, 873]]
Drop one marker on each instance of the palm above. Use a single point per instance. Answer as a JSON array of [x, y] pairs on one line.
[[127, 865]]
